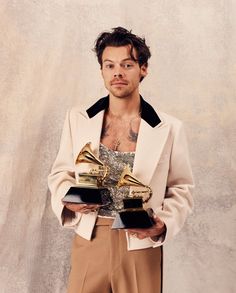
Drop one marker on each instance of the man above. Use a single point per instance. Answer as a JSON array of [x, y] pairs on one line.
[[123, 128]]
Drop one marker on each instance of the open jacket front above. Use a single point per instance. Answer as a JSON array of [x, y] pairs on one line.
[[161, 161]]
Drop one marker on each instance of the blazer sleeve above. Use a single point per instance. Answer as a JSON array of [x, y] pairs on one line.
[[62, 177], [178, 201]]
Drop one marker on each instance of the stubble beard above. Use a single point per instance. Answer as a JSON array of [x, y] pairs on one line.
[[121, 93]]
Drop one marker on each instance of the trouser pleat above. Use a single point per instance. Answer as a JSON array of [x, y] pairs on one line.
[[104, 265]]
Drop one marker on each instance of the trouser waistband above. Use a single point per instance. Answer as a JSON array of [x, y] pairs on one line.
[[101, 221]]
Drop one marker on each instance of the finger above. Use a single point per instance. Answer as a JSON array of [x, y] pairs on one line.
[[136, 230], [90, 206], [89, 209], [134, 235], [76, 207], [82, 208], [96, 206], [158, 220], [141, 237], [141, 233]]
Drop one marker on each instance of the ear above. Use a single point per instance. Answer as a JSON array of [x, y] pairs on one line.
[[143, 70], [101, 71]]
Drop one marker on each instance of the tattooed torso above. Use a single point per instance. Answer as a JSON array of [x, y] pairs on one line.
[[119, 134]]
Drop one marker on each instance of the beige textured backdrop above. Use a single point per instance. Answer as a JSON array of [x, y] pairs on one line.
[[46, 66]]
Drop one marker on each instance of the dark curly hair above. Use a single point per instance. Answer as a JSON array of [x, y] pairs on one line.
[[118, 37]]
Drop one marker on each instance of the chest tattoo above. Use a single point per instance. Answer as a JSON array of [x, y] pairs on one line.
[[133, 136], [120, 134]]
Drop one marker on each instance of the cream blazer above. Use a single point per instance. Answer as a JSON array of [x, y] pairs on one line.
[[161, 161]]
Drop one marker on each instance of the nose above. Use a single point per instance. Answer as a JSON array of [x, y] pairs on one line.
[[118, 72], [117, 75]]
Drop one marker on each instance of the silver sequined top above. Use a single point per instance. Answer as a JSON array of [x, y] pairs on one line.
[[116, 162]]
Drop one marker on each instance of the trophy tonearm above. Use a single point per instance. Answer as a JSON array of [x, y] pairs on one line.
[[128, 179], [95, 176]]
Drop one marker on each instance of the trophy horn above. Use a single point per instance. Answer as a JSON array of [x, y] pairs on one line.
[[86, 155], [128, 179]]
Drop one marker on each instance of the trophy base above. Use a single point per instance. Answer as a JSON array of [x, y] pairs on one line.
[[88, 195], [133, 218]]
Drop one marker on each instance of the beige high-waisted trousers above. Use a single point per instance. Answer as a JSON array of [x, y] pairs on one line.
[[104, 265]]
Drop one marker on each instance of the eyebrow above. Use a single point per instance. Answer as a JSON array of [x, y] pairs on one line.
[[126, 59]]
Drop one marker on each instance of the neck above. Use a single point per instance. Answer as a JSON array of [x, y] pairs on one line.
[[126, 106]]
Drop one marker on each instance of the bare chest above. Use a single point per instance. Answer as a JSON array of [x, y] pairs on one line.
[[120, 135]]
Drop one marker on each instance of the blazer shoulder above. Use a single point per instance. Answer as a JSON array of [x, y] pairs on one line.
[[169, 119], [77, 110]]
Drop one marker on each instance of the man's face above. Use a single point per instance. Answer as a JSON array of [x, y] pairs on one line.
[[121, 74]]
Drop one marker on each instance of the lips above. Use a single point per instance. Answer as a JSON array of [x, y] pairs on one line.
[[119, 83]]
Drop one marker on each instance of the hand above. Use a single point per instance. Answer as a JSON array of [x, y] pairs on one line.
[[156, 230], [82, 208]]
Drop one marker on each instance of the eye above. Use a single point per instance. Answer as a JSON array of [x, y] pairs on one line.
[[109, 66], [127, 65]]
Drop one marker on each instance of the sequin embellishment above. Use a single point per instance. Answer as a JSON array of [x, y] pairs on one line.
[[116, 162]]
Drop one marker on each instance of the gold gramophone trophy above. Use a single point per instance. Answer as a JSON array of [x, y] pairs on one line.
[[89, 187], [133, 215]]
